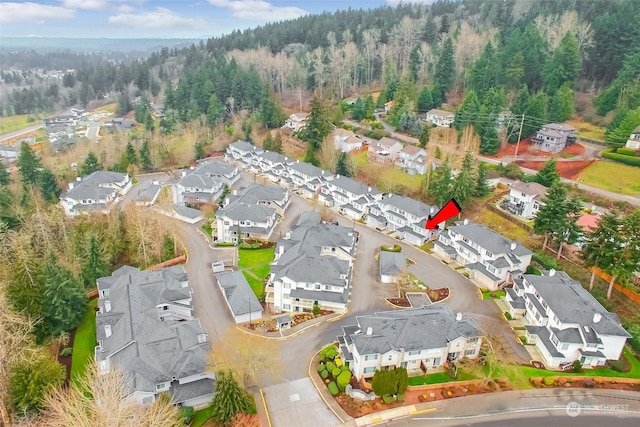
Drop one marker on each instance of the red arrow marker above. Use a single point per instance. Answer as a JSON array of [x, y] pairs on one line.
[[451, 209]]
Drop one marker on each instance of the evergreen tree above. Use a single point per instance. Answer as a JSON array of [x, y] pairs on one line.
[[271, 114], [557, 216], [124, 105], [425, 100], [48, 185], [90, 165], [437, 95], [32, 378], [424, 136], [414, 62], [318, 125], [130, 153], [570, 231], [343, 165], [310, 157], [229, 398], [563, 66], [95, 264], [617, 136], [267, 144], [66, 301], [600, 244], [467, 114], [277, 144], [441, 183], [5, 178], [562, 104], [445, 73], [465, 182], [215, 111], [625, 255], [145, 157], [482, 186], [28, 164], [548, 174]]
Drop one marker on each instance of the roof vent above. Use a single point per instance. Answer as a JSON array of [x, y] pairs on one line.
[[513, 246], [458, 316], [466, 221], [597, 317], [432, 210], [107, 306], [552, 272], [107, 330], [369, 189], [369, 330]]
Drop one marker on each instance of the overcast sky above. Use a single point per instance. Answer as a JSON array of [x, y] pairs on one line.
[[156, 18]]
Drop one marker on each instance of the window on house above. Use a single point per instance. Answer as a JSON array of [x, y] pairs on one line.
[[317, 287], [554, 340], [470, 352], [286, 296], [369, 370], [414, 353], [286, 285], [161, 386], [404, 365], [104, 293], [473, 340], [286, 306], [437, 361], [327, 288], [390, 357], [370, 357], [565, 346]]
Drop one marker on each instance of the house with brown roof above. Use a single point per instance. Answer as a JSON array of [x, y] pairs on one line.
[[345, 140], [525, 199], [412, 159], [384, 151], [440, 118], [296, 121], [554, 137]]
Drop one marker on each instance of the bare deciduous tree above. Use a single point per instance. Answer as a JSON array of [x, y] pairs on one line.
[[104, 401]]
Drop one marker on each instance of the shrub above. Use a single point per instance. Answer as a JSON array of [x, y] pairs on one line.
[[316, 309], [338, 362], [618, 365], [545, 261], [627, 151], [333, 388], [66, 351], [186, 413], [336, 372], [548, 381], [627, 160], [343, 379], [532, 270], [324, 374], [400, 397], [327, 381], [345, 368], [321, 367], [589, 384], [507, 315], [387, 398], [394, 248], [577, 366], [330, 366], [329, 352]]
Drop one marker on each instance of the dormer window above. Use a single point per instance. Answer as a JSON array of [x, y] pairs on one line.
[[107, 330]]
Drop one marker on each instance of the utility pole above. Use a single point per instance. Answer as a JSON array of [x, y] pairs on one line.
[[515, 156]]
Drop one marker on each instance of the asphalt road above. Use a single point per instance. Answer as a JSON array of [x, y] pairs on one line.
[[547, 418], [92, 131], [9, 135]]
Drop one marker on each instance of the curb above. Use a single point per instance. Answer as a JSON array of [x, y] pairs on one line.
[[318, 390], [264, 403], [284, 338]]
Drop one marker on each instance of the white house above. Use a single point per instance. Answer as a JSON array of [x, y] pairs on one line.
[[525, 198], [250, 213], [417, 339], [205, 183], [305, 178], [296, 121], [242, 153], [391, 265], [412, 159], [384, 151], [145, 326], [345, 140], [490, 258], [270, 164], [9, 153], [634, 139], [239, 296], [440, 118], [564, 321], [406, 217], [97, 192], [350, 197], [312, 266], [554, 137]]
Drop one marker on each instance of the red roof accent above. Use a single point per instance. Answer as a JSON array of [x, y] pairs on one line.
[[588, 221]]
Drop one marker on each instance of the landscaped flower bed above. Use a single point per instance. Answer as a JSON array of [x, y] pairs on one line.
[[439, 294], [630, 384]]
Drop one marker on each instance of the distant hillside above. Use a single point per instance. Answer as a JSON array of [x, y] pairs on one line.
[[46, 44]]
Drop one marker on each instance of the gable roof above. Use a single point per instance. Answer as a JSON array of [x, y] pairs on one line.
[[387, 142], [412, 150], [243, 146], [489, 239], [306, 169], [216, 167], [353, 186], [94, 186], [587, 221], [563, 127], [272, 156], [150, 350], [531, 188], [238, 293], [392, 263], [433, 326], [442, 113], [254, 193], [241, 211], [412, 206]]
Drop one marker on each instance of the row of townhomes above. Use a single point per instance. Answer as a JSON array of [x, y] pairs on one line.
[[564, 321], [313, 266], [145, 327], [98, 192], [205, 183], [251, 212], [417, 339], [491, 259]]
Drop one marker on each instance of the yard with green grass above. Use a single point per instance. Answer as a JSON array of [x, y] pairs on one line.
[[616, 177], [14, 123], [202, 416], [84, 341], [587, 130], [502, 226], [493, 294], [255, 266], [440, 378]]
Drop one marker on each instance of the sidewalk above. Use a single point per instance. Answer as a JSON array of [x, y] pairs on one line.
[[295, 330], [506, 402]]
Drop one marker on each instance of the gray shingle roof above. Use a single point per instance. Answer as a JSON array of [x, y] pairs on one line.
[[243, 146], [246, 212], [392, 263], [187, 212], [353, 186], [253, 194], [238, 293], [272, 156], [150, 351], [94, 186], [489, 239], [306, 169], [414, 207], [415, 329]]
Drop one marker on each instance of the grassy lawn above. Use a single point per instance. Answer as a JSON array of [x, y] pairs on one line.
[[411, 182], [502, 225], [14, 123], [622, 179], [427, 247], [108, 108], [84, 342], [256, 268], [588, 130], [440, 378], [202, 416], [359, 158], [493, 295]]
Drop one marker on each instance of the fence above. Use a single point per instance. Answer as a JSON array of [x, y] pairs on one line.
[[633, 296], [508, 217], [359, 394]]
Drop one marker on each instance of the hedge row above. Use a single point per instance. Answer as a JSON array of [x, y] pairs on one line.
[[627, 160], [627, 152]]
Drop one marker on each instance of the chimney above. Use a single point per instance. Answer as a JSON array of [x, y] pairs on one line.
[[71, 184], [466, 221], [78, 178], [597, 317], [458, 316], [432, 210], [369, 189], [552, 272], [513, 246], [369, 330]]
